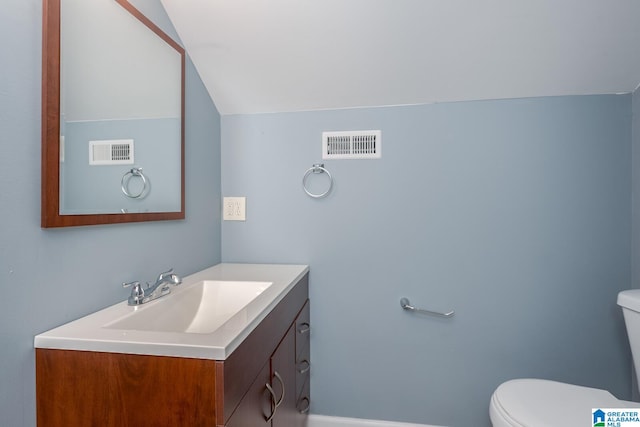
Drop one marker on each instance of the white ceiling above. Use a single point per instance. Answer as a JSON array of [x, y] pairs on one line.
[[259, 56]]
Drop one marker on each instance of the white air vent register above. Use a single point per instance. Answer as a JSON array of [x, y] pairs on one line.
[[359, 144], [111, 152]]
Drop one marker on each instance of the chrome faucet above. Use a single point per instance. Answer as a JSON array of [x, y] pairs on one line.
[[161, 287]]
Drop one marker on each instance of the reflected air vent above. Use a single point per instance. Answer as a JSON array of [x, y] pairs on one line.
[[112, 152], [358, 144]]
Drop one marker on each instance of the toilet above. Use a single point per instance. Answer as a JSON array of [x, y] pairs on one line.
[[545, 403]]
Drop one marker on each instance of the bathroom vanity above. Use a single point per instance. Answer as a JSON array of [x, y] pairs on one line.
[[251, 370]]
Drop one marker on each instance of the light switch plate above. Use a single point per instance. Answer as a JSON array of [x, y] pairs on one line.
[[234, 208]]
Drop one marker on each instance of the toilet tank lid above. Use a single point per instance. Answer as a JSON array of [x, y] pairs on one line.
[[630, 299]]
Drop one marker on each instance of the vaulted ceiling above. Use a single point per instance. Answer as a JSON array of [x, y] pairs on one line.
[[259, 56]]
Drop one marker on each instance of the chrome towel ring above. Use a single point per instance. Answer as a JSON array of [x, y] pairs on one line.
[[317, 168], [124, 183]]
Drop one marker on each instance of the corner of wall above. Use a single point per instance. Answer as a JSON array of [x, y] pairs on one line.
[[635, 189]]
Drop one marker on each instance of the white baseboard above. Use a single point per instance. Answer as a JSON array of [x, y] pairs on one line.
[[326, 421]]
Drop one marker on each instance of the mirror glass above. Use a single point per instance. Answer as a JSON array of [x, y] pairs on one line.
[[119, 142]]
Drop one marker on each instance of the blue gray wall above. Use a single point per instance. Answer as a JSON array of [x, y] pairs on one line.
[[49, 277], [635, 208], [636, 189], [514, 213]]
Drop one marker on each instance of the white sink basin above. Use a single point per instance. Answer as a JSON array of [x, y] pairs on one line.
[[200, 309], [205, 317]]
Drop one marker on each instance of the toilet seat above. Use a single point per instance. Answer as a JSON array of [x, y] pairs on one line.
[[544, 403]]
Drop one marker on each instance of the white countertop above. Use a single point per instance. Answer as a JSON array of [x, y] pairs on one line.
[[89, 333]]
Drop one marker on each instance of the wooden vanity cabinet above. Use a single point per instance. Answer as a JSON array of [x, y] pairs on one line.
[[287, 405], [80, 388]]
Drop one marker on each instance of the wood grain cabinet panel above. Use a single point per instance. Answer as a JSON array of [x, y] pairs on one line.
[[83, 388]]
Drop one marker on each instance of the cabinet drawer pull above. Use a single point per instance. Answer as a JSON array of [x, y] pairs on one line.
[[274, 403], [304, 328], [277, 375], [274, 406], [304, 366], [306, 408]]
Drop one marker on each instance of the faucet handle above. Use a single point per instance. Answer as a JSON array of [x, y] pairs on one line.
[[134, 284], [165, 274], [137, 292]]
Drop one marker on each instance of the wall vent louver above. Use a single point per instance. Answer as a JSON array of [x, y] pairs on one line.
[[112, 152], [358, 144]]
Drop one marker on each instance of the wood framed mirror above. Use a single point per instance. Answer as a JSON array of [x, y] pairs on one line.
[[110, 86]]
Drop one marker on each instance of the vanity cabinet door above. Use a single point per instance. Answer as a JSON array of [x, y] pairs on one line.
[[254, 408], [283, 383]]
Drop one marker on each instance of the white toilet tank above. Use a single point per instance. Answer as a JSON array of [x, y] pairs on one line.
[[630, 302]]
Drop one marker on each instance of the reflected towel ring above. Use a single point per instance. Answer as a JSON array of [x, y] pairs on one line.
[[316, 168], [124, 183]]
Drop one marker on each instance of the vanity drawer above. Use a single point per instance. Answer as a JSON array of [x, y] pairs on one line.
[[303, 331], [303, 353], [303, 403]]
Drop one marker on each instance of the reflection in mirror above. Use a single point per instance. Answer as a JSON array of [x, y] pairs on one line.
[[117, 143]]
